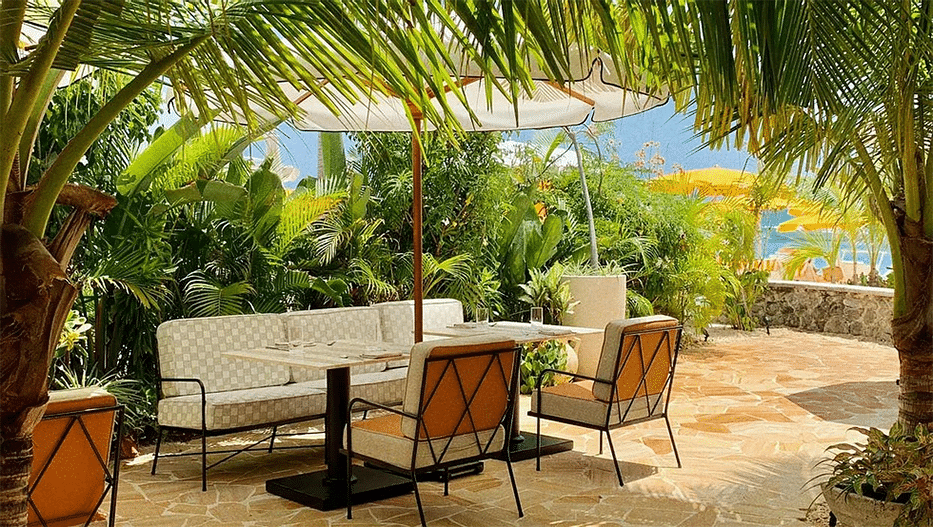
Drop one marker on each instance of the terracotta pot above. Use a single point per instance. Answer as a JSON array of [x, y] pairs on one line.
[[853, 510]]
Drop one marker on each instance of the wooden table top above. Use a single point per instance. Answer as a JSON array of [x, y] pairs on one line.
[[520, 332]]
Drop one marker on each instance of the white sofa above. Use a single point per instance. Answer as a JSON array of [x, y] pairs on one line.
[[203, 390]]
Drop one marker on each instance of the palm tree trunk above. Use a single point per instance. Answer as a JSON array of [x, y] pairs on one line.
[[912, 327], [35, 298]]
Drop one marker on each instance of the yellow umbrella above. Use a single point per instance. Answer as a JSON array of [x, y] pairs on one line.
[[812, 222], [713, 181]]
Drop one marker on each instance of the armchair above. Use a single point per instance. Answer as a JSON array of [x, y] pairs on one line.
[[632, 383], [456, 409]]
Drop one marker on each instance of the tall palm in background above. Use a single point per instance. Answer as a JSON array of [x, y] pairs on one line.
[[240, 49], [840, 88]]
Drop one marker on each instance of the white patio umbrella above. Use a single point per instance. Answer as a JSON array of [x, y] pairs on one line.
[[593, 92]]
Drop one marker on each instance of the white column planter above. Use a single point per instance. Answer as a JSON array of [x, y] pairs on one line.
[[602, 299]]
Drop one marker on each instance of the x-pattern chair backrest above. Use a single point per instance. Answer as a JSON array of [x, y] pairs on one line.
[[653, 365], [78, 417], [465, 394]]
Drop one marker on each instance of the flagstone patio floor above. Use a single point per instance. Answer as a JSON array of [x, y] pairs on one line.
[[752, 414]]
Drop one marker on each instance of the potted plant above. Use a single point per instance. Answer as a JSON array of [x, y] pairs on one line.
[[885, 481]]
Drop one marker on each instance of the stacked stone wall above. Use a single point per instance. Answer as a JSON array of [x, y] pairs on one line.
[[863, 312]]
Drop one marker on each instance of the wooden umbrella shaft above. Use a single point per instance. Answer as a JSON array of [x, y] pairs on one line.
[[416, 220]]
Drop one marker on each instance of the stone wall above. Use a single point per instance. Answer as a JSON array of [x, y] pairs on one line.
[[863, 312]]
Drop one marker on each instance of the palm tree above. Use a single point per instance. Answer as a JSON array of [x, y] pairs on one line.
[[840, 88], [239, 50]]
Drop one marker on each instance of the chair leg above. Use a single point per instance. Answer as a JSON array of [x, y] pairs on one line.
[[272, 439], [518, 502], [349, 482], [600, 442], [538, 444], [446, 481], [670, 432], [155, 459], [615, 461], [414, 482], [203, 460]]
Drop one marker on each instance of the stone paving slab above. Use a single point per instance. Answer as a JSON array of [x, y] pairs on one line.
[[752, 414]]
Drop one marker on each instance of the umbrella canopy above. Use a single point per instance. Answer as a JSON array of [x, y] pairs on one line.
[[814, 222], [713, 181], [595, 91]]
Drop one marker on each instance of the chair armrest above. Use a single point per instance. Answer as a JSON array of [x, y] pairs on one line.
[[186, 379], [360, 400], [574, 375]]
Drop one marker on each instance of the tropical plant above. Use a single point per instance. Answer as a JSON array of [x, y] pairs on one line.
[[547, 290], [835, 87], [811, 245], [896, 467], [550, 354]]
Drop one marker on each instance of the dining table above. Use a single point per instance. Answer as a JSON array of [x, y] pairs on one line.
[[326, 489], [523, 445]]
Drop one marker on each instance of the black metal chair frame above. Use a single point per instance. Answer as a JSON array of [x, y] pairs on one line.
[[620, 364], [510, 380], [111, 473], [205, 433]]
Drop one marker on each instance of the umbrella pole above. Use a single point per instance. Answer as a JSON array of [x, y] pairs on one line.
[[416, 220]]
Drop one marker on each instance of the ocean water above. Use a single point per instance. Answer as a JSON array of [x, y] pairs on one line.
[[774, 241]]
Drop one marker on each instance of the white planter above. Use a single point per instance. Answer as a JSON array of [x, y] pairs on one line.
[[852, 510], [602, 299]]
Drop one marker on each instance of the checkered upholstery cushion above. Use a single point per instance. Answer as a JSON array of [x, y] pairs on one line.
[[244, 408], [192, 347], [384, 387], [398, 318], [349, 323]]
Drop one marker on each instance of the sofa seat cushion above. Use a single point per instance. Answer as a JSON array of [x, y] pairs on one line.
[[244, 408], [575, 401], [382, 438], [384, 387]]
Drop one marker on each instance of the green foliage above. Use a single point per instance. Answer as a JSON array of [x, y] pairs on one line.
[[742, 289], [72, 334], [537, 358], [138, 399], [70, 110], [546, 289], [897, 467]]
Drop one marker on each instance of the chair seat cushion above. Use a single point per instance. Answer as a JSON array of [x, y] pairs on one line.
[[574, 401], [384, 387], [382, 438], [244, 408]]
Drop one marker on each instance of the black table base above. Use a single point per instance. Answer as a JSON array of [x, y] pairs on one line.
[[317, 492], [525, 446]]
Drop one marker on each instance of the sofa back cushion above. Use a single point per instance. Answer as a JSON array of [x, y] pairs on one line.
[[192, 347], [345, 323], [398, 318]]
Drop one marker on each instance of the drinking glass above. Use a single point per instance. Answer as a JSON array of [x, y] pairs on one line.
[[482, 316], [537, 316]]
